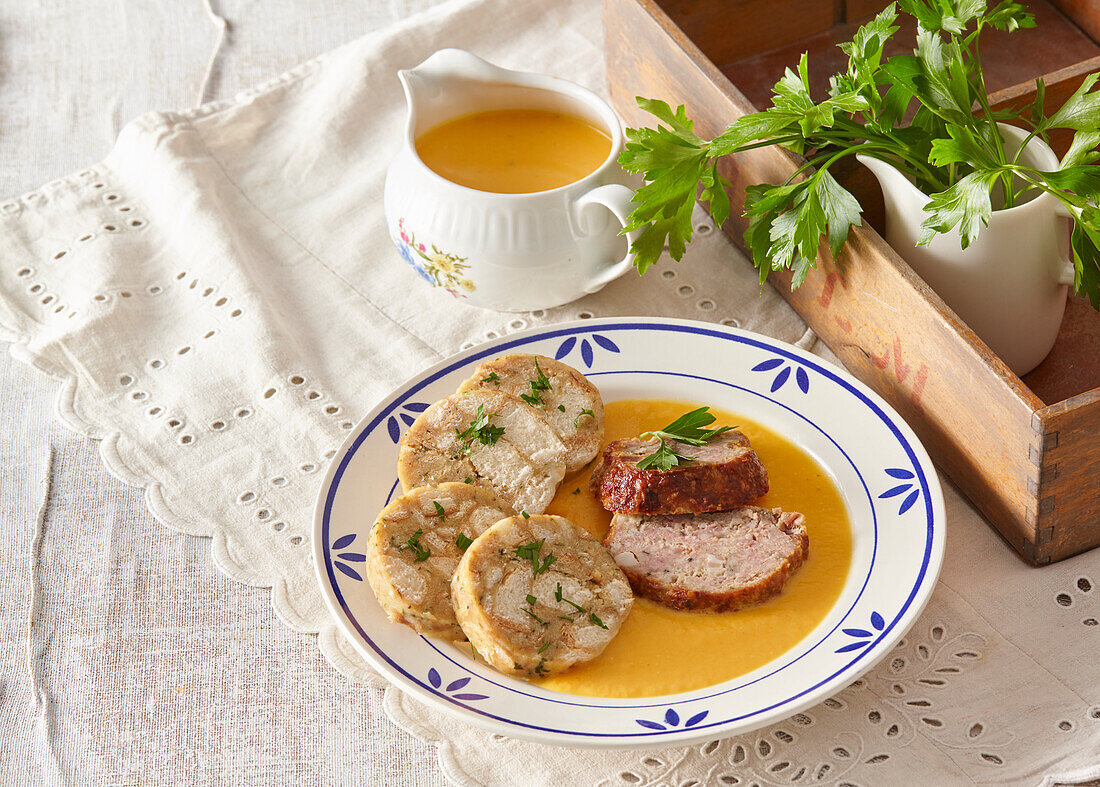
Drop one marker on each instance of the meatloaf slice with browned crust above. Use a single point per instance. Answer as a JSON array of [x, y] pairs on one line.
[[722, 474], [714, 562]]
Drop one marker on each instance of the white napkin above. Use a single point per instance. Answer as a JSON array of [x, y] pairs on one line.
[[221, 302]]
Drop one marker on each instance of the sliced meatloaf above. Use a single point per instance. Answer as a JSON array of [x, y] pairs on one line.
[[714, 562], [723, 474]]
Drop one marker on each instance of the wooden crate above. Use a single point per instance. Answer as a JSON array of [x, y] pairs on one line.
[[1026, 451]]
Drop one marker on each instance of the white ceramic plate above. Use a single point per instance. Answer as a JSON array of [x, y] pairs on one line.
[[886, 479]]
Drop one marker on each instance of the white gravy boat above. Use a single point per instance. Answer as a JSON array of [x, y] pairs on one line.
[[509, 252]]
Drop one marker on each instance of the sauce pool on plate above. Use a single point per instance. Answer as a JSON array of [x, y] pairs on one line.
[[514, 151], [664, 651]]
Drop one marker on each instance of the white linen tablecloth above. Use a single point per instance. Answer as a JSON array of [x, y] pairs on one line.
[[258, 262]]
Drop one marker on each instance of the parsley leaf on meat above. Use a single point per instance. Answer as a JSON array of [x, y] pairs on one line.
[[689, 429]]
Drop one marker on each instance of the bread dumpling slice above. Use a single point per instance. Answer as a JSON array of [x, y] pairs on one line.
[[414, 549], [491, 438], [558, 392], [538, 595]]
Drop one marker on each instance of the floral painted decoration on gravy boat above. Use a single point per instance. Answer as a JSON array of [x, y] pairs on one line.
[[436, 267]]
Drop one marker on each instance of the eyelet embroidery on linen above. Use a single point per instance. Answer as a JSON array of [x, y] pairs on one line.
[[1081, 592], [928, 667]]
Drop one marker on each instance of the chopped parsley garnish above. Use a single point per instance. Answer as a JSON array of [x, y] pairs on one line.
[[577, 491], [439, 511], [578, 609], [525, 515], [530, 551], [473, 651], [533, 398], [463, 541], [687, 429], [540, 383], [469, 479], [532, 600], [545, 645], [581, 414], [422, 553], [493, 378], [536, 617], [479, 429], [561, 407]]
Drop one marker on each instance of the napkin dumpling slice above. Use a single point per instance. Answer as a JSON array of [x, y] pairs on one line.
[[539, 595], [415, 547], [491, 438], [556, 391]]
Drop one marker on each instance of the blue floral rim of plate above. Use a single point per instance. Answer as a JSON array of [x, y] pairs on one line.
[[863, 639]]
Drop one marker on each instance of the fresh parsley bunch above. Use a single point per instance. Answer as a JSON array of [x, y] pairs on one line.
[[950, 147]]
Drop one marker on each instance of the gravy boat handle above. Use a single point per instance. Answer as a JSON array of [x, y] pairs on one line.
[[616, 198]]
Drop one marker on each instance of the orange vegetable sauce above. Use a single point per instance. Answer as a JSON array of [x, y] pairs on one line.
[[514, 151]]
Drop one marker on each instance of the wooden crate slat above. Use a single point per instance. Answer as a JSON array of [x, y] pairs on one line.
[[741, 27]]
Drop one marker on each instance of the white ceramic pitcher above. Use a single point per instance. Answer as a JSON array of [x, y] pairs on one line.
[[1010, 284], [510, 252]]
